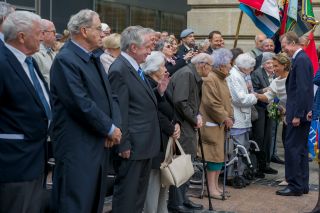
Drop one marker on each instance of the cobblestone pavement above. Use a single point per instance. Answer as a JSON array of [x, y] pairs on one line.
[[260, 197]]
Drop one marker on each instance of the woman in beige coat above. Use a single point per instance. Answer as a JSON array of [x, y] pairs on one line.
[[217, 115]]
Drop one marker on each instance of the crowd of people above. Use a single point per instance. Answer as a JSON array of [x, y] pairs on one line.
[[106, 100]]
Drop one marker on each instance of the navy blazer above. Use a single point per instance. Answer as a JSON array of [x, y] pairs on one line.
[[299, 88], [84, 110], [139, 111], [21, 114]]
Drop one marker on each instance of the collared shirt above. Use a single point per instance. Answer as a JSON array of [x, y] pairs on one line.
[[44, 59], [21, 57], [86, 51], [296, 53], [131, 60], [1, 36]]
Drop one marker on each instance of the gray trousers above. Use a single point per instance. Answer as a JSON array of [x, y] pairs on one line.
[[242, 139], [22, 197], [157, 196]]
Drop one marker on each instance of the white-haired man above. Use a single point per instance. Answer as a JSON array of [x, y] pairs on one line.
[[140, 123], [25, 115], [45, 56], [5, 10], [85, 119], [186, 85]]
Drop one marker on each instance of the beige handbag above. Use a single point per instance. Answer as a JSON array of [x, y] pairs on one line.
[[175, 170]]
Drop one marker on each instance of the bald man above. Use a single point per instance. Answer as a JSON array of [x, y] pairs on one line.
[[45, 56]]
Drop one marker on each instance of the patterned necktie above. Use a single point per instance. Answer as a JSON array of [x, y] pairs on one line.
[[140, 72], [37, 87]]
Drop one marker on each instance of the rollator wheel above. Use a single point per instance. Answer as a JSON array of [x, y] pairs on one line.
[[238, 182]]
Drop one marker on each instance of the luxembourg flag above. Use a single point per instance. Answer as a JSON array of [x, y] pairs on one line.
[[263, 13]]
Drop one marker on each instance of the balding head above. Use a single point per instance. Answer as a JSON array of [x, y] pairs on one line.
[[259, 39], [268, 45], [49, 33]]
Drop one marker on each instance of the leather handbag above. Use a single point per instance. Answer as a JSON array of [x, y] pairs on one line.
[[176, 169]]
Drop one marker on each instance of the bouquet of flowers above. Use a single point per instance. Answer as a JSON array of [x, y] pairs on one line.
[[274, 111]]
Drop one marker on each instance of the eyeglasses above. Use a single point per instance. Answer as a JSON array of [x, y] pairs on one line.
[[99, 28], [50, 31]]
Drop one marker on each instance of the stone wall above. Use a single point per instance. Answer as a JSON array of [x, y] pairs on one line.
[[223, 15]]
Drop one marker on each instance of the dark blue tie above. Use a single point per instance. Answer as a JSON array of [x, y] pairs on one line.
[[37, 87], [140, 72]]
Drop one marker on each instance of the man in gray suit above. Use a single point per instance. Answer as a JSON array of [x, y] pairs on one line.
[[140, 123], [45, 56], [186, 84]]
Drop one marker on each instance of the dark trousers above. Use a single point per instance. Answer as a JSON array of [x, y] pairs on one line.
[[131, 185], [22, 197], [177, 195], [296, 157], [262, 134]]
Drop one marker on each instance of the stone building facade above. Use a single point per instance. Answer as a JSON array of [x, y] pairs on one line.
[[223, 15]]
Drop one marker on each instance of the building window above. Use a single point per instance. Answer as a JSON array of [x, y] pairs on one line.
[[115, 15], [144, 17], [172, 23]]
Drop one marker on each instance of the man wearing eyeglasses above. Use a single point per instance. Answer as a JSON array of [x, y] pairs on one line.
[[45, 56]]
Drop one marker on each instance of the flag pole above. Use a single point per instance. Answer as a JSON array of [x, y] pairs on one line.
[[238, 30]]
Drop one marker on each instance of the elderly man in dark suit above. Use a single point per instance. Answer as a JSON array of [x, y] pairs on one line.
[[141, 139], [299, 88], [85, 118], [5, 10], [186, 85], [25, 115]]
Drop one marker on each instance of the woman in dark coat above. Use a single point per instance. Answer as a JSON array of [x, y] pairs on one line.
[[157, 196]]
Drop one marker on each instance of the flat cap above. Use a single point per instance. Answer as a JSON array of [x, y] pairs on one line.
[[185, 33]]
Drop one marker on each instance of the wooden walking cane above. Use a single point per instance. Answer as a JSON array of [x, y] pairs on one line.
[[205, 171], [238, 30]]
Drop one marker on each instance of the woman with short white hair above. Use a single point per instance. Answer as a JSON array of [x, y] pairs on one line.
[[154, 69], [240, 86], [217, 114]]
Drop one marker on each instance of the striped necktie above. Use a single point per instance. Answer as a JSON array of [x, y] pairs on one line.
[[140, 72]]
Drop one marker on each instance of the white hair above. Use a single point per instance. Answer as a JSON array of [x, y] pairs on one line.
[[221, 56], [153, 62], [245, 61], [201, 58], [5, 10], [18, 21], [132, 35], [83, 18]]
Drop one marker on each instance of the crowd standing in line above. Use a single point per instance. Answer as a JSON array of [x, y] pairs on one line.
[[114, 100]]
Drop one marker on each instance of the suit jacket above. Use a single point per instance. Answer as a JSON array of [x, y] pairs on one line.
[[84, 110], [1, 43], [21, 114], [182, 51], [186, 86], [139, 111], [260, 80], [299, 88]]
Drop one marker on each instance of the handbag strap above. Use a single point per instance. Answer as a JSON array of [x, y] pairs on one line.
[[179, 147], [169, 151]]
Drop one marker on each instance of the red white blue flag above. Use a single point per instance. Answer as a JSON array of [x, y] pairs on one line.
[[263, 13]]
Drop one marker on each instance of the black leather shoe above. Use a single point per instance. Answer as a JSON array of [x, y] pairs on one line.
[[179, 209], [269, 170], [306, 191], [191, 205], [276, 159], [288, 192], [259, 174]]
